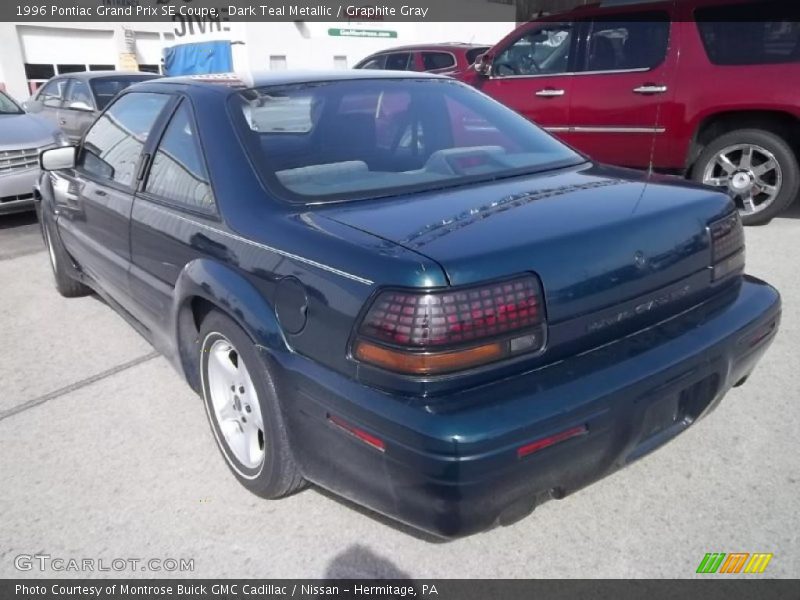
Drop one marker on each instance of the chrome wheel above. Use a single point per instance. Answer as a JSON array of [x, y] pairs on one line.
[[750, 174], [234, 400], [49, 243]]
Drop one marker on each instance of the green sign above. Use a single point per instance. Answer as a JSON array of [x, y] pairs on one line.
[[364, 33]]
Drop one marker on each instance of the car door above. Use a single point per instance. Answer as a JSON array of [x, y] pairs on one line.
[[77, 111], [97, 195], [625, 77], [532, 73], [177, 187]]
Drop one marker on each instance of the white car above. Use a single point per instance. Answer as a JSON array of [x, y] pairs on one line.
[[22, 137]]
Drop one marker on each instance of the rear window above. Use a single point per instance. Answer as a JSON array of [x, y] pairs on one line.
[[437, 60], [731, 39], [356, 139], [106, 88]]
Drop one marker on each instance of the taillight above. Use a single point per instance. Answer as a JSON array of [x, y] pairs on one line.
[[423, 332], [727, 246]]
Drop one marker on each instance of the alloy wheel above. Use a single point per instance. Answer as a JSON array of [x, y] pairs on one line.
[[235, 403], [750, 174]]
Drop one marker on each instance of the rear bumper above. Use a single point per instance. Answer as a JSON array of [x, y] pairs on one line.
[[450, 465], [16, 190]]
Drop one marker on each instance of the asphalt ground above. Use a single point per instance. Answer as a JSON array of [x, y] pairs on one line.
[[105, 453]]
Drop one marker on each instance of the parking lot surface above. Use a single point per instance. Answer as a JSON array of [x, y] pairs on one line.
[[105, 453]]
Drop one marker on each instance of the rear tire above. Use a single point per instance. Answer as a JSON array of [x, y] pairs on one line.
[[243, 410], [66, 285], [755, 167]]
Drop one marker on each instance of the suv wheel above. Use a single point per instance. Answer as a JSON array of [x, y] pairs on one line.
[[243, 410], [756, 168]]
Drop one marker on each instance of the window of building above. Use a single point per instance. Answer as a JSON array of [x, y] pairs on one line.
[[437, 60], [101, 67], [179, 173], [114, 143], [62, 69], [731, 39], [399, 61], [277, 63], [638, 42], [340, 62], [150, 69]]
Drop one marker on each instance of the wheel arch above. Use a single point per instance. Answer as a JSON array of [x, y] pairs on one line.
[[205, 285], [711, 126]]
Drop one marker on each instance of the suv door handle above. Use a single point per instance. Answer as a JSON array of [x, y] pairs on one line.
[[650, 89], [550, 93]]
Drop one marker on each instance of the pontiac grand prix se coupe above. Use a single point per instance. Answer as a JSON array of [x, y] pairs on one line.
[[394, 287]]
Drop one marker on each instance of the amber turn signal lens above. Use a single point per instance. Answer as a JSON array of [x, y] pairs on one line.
[[428, 364]]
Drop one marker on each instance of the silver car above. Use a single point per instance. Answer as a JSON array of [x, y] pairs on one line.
[[72, 101], [22, 137]]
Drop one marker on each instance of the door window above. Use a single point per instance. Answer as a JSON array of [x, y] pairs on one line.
[[638, 42], [114, 143], [542, 51], [53, 93], [79, 92], [179, 172]]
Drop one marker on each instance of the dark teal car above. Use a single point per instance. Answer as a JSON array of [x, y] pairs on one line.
[[394, 287]]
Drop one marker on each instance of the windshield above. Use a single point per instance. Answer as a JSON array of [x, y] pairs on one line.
[[355, 139], [8, 106], [106, 88]]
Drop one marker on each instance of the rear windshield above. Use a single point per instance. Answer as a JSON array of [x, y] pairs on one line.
[[355, 139], [106, 88]]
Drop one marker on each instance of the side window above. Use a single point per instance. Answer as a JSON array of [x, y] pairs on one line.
[[638, 42], [78, 91], [379, 62], [400, 61], [437, 60], [179, 173], [541, 51], [732, 38], [114, 143], [53, 93]]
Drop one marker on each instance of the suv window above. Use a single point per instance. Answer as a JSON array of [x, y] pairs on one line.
[[474, 53], [437, 60], [379, 62], [179, 172], [638, 42], [730, 39], [400, 61], [113, 144], [53, 93], [79, 92], [541, 51]]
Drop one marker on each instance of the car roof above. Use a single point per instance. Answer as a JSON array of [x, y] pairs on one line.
[[288, 77], [89, 75], [432, 46]]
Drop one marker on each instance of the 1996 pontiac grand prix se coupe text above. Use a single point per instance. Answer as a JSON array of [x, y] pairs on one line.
[[392, 286]]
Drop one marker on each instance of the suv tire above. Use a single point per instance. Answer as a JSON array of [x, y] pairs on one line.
[[724, 164]]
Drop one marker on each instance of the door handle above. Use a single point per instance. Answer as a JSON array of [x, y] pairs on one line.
[[550, 93], [100, 193], [650, 89], [62, 121]]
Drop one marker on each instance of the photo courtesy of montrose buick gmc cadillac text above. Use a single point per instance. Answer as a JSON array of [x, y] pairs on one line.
[[392, 286]]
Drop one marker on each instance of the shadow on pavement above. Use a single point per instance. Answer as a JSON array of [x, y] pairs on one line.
[[17, 220]]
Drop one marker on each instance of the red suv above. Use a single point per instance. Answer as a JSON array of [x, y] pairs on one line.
[[446, 59], [697, 87]]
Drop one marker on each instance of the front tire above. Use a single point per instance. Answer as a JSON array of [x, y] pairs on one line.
[[66, 285], [243, 410], [757, 168]]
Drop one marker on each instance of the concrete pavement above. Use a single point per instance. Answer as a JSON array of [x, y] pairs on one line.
[[105, 453]]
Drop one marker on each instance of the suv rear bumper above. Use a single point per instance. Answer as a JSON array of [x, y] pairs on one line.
[[450, 464]]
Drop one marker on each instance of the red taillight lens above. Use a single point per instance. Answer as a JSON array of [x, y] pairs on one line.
[[424, 332]]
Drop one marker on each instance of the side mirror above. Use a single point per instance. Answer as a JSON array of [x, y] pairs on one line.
[[483, 64], [32, 106], [57, 158], [80, 105]]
